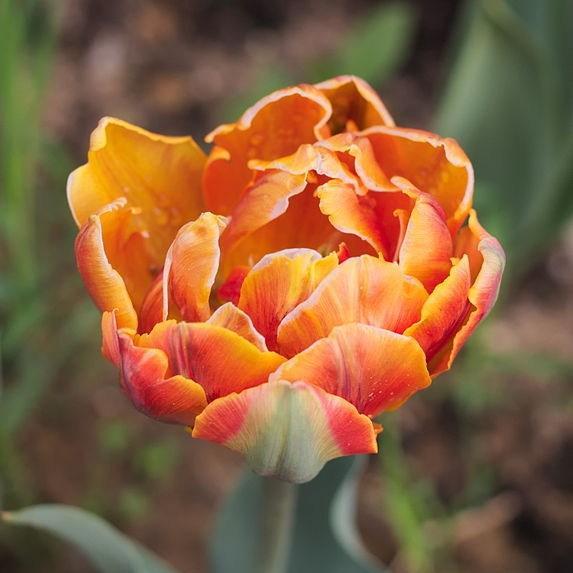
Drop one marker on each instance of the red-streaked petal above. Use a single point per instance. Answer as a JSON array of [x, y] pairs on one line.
[[353, 100], [362, 289], [372, 368], [218, 359], [158, 176], [287, 430], [151, 311], [426, 249], [273, 127], [145, 379], [483, 292], [444, 311], [434, 165], [100, 272], [191, 266], [232, 318], [280, 281]]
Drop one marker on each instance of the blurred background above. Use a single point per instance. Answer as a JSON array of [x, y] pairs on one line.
[[475, 474]]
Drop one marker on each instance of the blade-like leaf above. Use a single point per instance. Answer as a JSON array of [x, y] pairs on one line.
[[105, 547], [507, 101], [324, 537]]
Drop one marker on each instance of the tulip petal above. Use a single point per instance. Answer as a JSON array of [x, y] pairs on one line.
[[362, 289], [191, 266], [372, 217], [158, 176], [426, 249], [434, 165], [287, 430], [232, 318], [443, 313], [372, 368], [280, 281], [442, 333], [218, 359], [353, 100], [108, 248], [485, 289], [273, 127], [145, 379]]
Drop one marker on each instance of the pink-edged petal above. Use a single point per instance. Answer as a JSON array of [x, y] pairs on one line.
[[280, 281], [372, 368], [145, 379], [191, 266], [232, 318], [362, 289], [287, 430], [217, 358]]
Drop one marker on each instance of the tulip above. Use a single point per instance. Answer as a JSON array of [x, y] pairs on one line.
[[316, 269]]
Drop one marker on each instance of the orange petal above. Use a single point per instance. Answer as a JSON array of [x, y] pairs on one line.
[[151, 311], [287, 430], [158, 176], [441, 333], [191, 266], [434, 165], [273, 127], [483, 292], [218, 359], [102, 271], [372, 368], [372, 217], [362, 289], [444, 312], [353, 101], [145, 379], [233, 318], [267, 199], [280, 281], [426, 248]]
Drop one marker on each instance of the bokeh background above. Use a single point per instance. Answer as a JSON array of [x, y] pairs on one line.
[[476, 473]]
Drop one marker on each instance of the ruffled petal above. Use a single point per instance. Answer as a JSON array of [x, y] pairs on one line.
[[434, 165], [371, 217], [355, 105], [444, 312], [287, 430], [426, 248], [158, 176], [273, 127], [232, 318], [145, 379], [372, 368], [280, 281], [107, 248], [362, 289], [442, 333], [218, 359], [191, 266]]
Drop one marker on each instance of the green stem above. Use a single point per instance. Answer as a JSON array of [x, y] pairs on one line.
[[277, 516]]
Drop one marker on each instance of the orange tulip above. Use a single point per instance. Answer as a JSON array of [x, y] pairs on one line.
[[315, 270]]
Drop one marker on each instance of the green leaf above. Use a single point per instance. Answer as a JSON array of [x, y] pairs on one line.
[[507, 101], [105, 547], [324, 536]]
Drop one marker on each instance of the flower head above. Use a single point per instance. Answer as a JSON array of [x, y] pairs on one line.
[[316, 269]]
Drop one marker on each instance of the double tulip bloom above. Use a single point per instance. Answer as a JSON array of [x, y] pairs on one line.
[[317, 268]]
